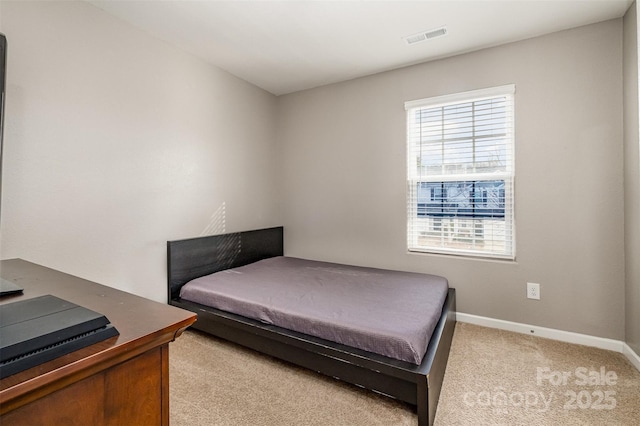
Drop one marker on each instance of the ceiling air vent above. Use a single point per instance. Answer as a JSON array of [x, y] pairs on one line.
[[425, 35]]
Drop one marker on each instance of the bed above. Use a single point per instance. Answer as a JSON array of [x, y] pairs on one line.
[[416, 383]]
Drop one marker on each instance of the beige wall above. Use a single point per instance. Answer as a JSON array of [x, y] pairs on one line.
[[632, 179], [344, 172], [116, 142]]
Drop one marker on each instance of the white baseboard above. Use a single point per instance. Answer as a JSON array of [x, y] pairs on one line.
[[551, 333], [631, 356]]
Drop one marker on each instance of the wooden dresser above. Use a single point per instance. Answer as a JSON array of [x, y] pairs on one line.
[[123, 380]]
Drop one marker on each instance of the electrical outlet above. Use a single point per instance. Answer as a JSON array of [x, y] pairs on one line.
[[533, 291]]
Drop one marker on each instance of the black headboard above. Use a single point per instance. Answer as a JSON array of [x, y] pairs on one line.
[[196, 257]]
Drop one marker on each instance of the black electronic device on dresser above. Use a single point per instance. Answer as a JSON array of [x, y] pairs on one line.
[[36, 330]]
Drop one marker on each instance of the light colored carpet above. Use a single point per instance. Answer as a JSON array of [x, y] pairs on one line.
[[493, 377]]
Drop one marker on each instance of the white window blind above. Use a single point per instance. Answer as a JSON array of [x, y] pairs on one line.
[[460, 173]]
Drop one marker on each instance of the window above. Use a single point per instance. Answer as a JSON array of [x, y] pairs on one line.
[[460, 173]]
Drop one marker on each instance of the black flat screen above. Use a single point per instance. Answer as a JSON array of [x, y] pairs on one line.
[[3, 63]]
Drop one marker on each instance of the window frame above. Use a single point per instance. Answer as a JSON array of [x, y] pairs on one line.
[[416, 178]]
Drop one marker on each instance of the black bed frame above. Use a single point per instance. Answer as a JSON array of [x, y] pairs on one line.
[[418, 385]]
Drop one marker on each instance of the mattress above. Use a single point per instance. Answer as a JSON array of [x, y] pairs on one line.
[[390, 313]]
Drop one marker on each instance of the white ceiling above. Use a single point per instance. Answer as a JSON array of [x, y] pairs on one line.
[[287, 46]]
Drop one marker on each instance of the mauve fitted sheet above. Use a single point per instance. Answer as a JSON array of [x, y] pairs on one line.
[[390, 313]]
